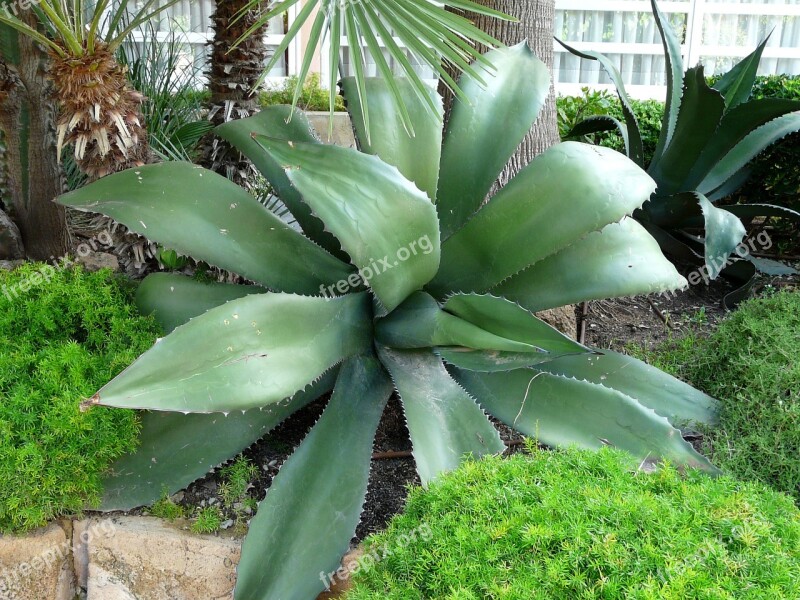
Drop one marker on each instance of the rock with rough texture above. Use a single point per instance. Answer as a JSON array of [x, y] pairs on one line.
[[10, 265], [36, 566], [147, 559], [562, 318], [341, 583], [11, 247], [94, 261]]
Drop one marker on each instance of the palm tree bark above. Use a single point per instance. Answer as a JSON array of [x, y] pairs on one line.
[[535, 24], [232, 75], [31, 176]]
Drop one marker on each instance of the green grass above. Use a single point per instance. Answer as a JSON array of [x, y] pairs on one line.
[[209, 520], [63, 335], [571, 525], [752, 364], [166, 508], [237, 478]]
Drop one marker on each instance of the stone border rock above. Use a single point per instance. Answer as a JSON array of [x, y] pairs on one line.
[[120, 558]]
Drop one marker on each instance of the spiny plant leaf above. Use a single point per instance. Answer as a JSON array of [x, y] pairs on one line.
[[201, 214], [384, 221], [622, 259], [699, 116], [174, 299], [669, 397], [630, 133], [737, 84], [674, 60], [244, 354], [497, 242], [416, 157], [304, 525], [735, 126], [274, 121], [485, 129], [445, 423], [562, 411], [177, 449], [420, 322]]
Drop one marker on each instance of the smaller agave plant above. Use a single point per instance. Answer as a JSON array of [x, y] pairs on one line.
[[708, 138], [404, 281]]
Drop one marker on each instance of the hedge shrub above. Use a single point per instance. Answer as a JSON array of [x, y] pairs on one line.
[[568, 525], [63, 334], [751, 362]]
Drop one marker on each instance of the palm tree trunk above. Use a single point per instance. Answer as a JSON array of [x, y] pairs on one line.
[[27, 125], [536, 19], [232, 76]]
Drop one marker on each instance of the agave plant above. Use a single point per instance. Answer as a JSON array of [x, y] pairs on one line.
[[403, 280], [708, 138], [100, 115]]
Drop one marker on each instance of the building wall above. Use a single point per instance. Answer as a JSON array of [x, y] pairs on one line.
[[715, 32]]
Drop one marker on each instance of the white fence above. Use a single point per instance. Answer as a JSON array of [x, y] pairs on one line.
[[714, 32]]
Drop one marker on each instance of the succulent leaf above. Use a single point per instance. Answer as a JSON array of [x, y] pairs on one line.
[[420, 322], [304, 525], [416, 157], [598, 124], [485, 129], [201, 214], [631, 133], [174, 299], [600, 186], [669, 397], [698, 118], [746, 150], [247, 353], [275, 121], [177, 449], [562, 411], [674, 68], [622, 259], [445, 423], [387, 225], [735, 126], [511, 321], [737, 84]]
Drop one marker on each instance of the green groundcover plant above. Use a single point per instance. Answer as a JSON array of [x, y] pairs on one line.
[[751, 362], [563, 525], [403, 279], [63, 332]]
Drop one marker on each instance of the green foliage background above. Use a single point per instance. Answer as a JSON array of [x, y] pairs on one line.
[[775, 178], [60, 341], [562, 525]]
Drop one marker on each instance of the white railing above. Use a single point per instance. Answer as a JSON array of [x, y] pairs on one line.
[[715, 33]]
